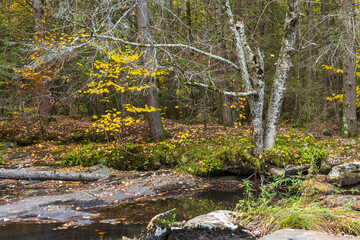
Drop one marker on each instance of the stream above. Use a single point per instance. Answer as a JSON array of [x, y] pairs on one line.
[[127, 219]]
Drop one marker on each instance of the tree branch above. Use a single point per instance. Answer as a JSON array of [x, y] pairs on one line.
[[179, 45], [215, 89]]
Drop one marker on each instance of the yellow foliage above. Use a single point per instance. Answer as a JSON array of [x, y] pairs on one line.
[[339, 97], [112, 121]]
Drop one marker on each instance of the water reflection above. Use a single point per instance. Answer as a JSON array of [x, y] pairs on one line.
[[133, 217]]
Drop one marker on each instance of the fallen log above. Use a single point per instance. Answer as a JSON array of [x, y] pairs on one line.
[[50, 175]]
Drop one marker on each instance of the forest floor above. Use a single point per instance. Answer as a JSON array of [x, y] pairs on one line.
[[53, 146]]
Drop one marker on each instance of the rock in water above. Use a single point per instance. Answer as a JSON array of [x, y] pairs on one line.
[[297, 234], [345, 174], [159, 226], [217, 225]]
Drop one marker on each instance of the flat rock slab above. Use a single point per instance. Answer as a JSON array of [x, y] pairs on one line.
[[46, 207], [72, 205], [296, 234]]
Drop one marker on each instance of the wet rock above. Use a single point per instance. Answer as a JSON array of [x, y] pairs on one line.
[[109, 221], [328, 163], [159, 228], [343, 200], [84, 223], [292, 170], [345, 174], [217, 225], [297, 234], [64, 215], [276, 172]]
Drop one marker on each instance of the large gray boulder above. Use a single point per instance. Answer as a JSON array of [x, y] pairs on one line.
[[297, 234], [345, 174], [328, 163], [217, 225]]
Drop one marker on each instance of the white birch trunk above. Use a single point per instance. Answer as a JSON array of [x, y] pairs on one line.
[[252, 71], [282, 68]]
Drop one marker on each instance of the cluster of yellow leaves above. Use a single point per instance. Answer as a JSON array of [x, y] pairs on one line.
[[112, 121], [183, 135], [16, 111], [33, 78], [338, 70], [241, 107], [108, 73], [134, 109], [339, 97], [104, 86], [15, 13]]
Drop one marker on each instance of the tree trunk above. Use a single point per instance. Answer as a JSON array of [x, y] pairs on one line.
[[349, 122], [327, 76], [38, 13], [49, 175], [43, 88], [252, 72], [226, 118], [282, 68], [310, 22], [151, 98]]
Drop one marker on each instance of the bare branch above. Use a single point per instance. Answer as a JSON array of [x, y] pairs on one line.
[[176, 45], [215, 89]]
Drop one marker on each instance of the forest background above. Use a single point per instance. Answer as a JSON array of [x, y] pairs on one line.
[[114, 64]]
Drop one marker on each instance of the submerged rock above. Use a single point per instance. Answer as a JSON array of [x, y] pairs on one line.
[[328, 163], [297, 234], [345, 174], [217, 225]]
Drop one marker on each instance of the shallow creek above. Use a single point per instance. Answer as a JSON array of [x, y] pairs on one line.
[[127, 219]]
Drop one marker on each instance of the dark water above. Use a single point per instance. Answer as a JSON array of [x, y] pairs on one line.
[[133, 217]]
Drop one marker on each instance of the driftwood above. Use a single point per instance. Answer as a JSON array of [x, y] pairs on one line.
[[49, 175]]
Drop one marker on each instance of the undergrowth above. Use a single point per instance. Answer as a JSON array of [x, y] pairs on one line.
[[197, 156], [282, 204]]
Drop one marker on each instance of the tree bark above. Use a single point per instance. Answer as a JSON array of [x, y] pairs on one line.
[[310, 22], [226, 118], [252, 72], [282, 68], [327, 75], [349, 122], [151, 98], [49, 175], [38, 13], [43, 87]]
